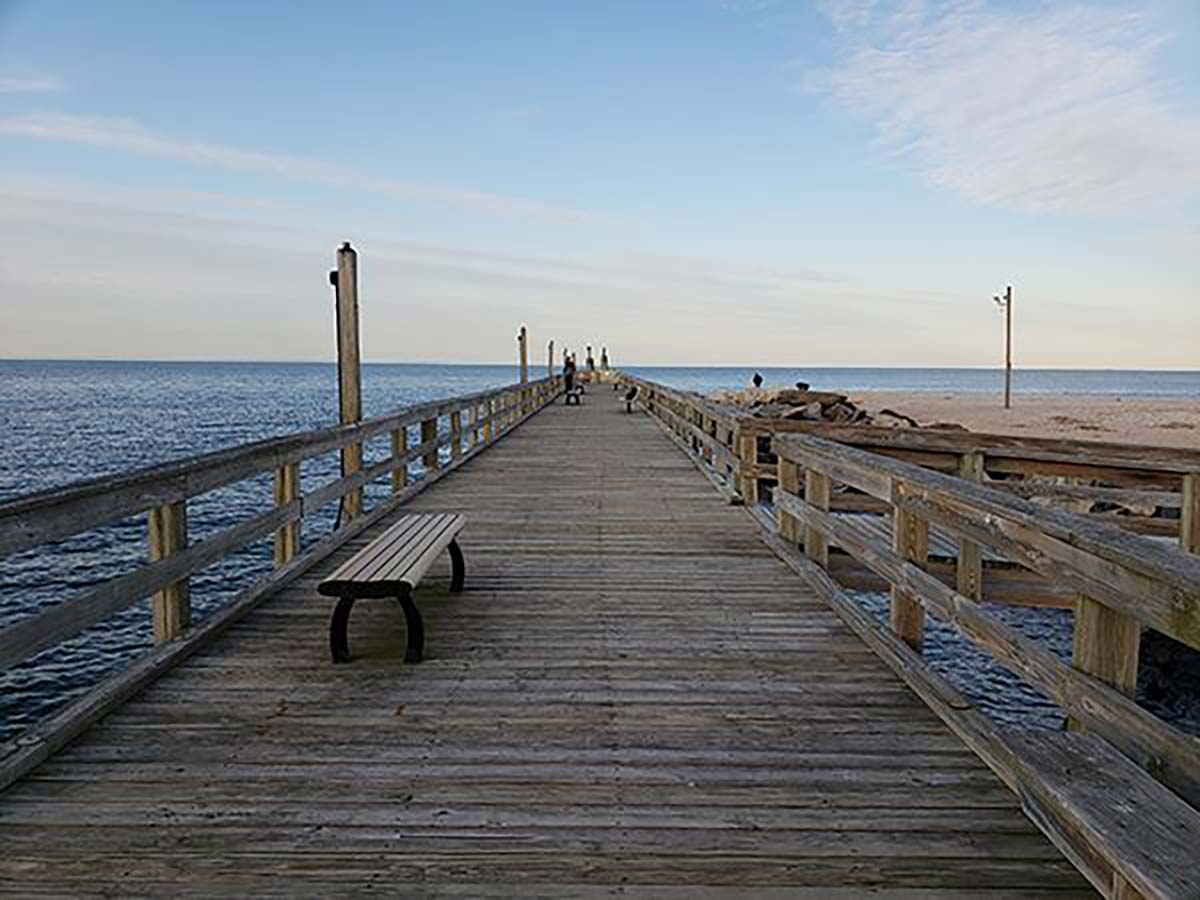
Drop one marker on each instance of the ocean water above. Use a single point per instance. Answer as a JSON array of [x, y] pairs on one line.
[[66, 421], [1128, 383]]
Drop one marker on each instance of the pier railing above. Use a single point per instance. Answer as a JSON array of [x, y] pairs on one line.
[[441, 435], [1109, 531], [1122, 583], [1151, 491]]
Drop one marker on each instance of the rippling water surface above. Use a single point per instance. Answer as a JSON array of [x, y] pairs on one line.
[[65, 421]]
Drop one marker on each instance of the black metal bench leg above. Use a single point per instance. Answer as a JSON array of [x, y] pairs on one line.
[[458, 568], [338, 646], [416, 628]]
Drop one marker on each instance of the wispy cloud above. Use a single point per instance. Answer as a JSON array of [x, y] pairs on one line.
[[29, 85], [132, 137], [1054, 109]]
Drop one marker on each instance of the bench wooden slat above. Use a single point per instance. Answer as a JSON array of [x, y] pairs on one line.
[[381, 545], [396, 548], [398, 557], [413, 564]]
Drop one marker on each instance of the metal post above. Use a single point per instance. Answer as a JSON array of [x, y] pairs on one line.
[[1008, 347]]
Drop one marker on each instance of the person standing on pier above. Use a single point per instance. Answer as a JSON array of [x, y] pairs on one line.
[[590, 360], [569, 372], [603, 359]]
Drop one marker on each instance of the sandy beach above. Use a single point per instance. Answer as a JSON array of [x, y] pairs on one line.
[[1170, 422]]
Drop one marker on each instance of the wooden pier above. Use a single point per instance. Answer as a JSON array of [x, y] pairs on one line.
[[636, 694]]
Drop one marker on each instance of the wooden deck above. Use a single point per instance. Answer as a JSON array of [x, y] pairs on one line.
[[632, 696]]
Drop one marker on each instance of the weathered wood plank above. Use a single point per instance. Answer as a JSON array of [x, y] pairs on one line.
[[633, 690]]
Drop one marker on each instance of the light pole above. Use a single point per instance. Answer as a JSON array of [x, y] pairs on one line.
[[1005, 303]]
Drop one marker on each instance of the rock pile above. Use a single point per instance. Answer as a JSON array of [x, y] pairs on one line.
[[816, 406], [793, 403]]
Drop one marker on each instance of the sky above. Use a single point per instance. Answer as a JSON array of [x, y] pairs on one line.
[[687, 182]]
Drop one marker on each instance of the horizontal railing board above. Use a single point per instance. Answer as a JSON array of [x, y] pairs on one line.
[[80, 611], [1136, 731], [1098, 453], [1157, 584], [1097, 860], [34, 746], [52, 515]]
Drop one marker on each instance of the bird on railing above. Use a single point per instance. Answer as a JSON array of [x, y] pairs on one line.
[[630, 396], [757, 380]]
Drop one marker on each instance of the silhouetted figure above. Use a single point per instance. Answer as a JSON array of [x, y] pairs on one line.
[[630, 396], [802, 385], [757, 380], [604, 359], [573, 389], [590, 361]]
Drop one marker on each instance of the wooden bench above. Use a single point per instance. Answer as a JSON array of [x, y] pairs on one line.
[[392, 566]]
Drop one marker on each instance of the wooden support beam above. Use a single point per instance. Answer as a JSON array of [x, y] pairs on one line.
[[287, 490], [349, 368], [167, 536], [1189, 525], [550, 360], [910, 540], [399, 448], [429, 432], [748, 459], [456, 435], [1105, 644], [969, 567], [789, 482], [817, 490]]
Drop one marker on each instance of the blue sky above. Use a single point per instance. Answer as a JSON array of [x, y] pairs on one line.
[[695, 182]]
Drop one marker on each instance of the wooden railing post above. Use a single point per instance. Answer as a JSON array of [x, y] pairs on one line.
[[1189, 522], [429, 432], [172, 605], [349, 370], [789, 483], [748, 461], [287, 490], [490, 408], [817, 490], [455, 434], [968, 575], [1105, 644], [399, 449], [523, 340], [910, 540]]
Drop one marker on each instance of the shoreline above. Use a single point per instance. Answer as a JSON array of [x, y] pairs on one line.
[[1166, 421]]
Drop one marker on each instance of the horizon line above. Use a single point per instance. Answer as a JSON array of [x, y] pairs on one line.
[[537, 365]]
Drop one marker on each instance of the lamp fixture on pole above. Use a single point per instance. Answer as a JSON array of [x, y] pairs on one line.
[[1005, 303]]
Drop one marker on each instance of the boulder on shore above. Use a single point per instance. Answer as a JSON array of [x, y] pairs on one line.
[[827, 407]]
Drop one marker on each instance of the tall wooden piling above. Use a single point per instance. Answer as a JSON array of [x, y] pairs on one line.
[[349, 367], [523, 340], [550, 360]]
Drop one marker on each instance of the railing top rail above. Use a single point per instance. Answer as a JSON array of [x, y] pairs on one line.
[[1158, 585], [710, 407], [1106, 454], [1099, 453], [58, 513]]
